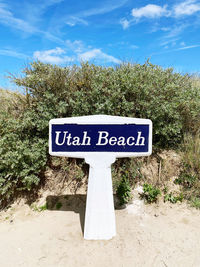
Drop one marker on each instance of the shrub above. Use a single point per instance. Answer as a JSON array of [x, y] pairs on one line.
[[124, 191], [144, 91], [22, 159], [173, 198], [151, 193], [195, 202], [128, 168], [186, 179], [169, 99]]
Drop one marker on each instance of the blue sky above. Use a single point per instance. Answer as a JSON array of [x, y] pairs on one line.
[[106, 32]]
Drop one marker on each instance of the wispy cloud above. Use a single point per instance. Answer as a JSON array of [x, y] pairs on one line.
[[51, 37], [134, 47], [76, 46], [123, 46], [47, 3], [166, 42], [177, 49], [13, 53], [187, 47], [106, 7], [34, 10], [7, 18], [72, 21], [173, 34], [175, 30]]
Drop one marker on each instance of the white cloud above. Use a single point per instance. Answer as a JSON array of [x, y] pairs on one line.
[[53, 56], [98, 55], [59, 55], [125, 23], [89, 54], [150, 11], [188, 7]]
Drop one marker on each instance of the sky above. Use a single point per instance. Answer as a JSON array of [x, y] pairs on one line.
[[106, 32]]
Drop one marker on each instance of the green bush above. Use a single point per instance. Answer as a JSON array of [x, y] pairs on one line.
[[169, 99], [187, 179], [22, 159], [144, 91], [128, 168], [151, 193], [195, 202], [173, 198], [124, 191]]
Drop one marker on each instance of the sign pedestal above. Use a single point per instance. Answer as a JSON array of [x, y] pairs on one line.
[[100, 139], [100, 215]]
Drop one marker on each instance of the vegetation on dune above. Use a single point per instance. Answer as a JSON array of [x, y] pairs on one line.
[[190, 175], [12, 103], [169, 99]]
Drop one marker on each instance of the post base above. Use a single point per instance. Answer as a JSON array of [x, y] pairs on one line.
[[100, 214]]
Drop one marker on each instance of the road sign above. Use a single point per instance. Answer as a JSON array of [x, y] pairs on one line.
[[100, 139]]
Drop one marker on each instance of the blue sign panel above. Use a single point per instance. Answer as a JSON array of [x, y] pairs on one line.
[[100, 138]]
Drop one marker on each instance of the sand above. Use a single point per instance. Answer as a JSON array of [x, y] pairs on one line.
[[147, 235]]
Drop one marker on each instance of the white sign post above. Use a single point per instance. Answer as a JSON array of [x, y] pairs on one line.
[[100, 139]]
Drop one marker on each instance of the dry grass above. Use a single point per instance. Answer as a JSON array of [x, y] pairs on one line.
[[190, 175], [11, 102], [191, 154], [196, 81]]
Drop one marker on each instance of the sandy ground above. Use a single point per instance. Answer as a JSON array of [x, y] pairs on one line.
[[155, 235]]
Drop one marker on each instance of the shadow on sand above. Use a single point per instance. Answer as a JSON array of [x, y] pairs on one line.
[[75, 203]]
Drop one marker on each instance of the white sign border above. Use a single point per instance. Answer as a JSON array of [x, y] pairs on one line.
[[101, 119]]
